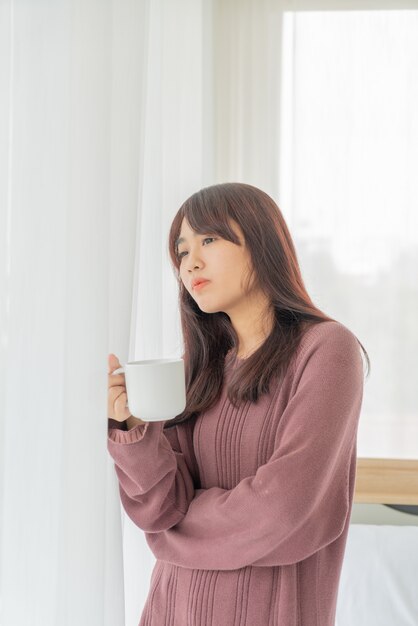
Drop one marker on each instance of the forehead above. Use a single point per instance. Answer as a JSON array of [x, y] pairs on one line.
[[185, 231]]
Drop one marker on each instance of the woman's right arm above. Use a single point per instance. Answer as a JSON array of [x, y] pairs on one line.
[[155, 484]]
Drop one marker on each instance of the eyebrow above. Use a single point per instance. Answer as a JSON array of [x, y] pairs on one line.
[[181, 239]]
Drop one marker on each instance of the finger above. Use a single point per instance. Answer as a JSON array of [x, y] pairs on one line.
[[114, 394], [116, 380], [121, 409], [113, 362]]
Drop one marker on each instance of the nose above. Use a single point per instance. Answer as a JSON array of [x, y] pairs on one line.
[[193, 261]]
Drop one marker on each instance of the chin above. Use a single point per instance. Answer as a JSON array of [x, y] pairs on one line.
[[211, 309], [206, 309]]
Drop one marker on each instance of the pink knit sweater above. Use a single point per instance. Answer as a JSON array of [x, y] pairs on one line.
[[247, 511]]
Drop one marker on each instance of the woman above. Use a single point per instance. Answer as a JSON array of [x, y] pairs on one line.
[[245, 498]]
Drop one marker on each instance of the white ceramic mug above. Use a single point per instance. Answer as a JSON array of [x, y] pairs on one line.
[[156, 388]]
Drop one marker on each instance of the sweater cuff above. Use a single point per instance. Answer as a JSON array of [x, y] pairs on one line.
[[128, 436], [111, 423]]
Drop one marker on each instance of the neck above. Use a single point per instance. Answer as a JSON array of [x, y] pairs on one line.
[[253, 326]]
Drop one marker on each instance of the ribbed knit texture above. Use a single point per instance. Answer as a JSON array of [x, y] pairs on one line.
[[247, 511]]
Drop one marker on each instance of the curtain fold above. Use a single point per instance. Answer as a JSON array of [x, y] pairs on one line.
[[68, 192], [247, 60]]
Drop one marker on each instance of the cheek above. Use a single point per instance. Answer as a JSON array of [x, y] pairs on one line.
[[246, 270], [185, 282], [237, 275]]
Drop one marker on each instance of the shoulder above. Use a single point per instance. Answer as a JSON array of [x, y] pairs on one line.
[[330, 339], [328, 358]]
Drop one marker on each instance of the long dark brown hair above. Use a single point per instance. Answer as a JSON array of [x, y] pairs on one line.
[[209, 336]]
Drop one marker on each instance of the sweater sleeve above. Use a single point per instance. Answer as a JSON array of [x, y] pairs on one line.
[[299, 501], [155, 481]]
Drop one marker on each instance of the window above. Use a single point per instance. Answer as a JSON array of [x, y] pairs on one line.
[[349, 191]]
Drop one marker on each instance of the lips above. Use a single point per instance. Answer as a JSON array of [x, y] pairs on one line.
[[198, 284]]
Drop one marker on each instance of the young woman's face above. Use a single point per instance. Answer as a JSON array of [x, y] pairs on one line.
[[224, 264]]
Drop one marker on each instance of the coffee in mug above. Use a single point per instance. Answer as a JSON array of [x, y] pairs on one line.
[[155, 388]]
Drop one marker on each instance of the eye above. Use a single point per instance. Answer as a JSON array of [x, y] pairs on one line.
[[181, 254]]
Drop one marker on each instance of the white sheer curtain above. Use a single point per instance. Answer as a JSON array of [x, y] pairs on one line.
[[60, 563], [101, 120], [247, 37]]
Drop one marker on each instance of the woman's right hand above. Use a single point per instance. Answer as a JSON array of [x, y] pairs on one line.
[[116, 398]]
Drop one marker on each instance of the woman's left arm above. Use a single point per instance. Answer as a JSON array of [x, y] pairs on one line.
[[299, 501]]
